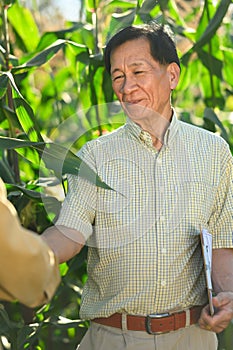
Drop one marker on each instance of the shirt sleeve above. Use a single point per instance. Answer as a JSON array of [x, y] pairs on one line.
[[78, 209], [221, 221]]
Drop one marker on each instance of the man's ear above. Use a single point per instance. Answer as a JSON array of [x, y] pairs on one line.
[[174, 73]]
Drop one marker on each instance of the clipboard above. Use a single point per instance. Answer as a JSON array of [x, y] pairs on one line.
[[206, 244]]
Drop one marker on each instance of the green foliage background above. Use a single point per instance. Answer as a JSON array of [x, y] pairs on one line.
[[54, 82]]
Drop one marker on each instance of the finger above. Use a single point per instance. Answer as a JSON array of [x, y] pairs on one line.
[[222, 299], [208, 327], [206, 321], [215, 328], [205, 315], [215, 324], [218, 328], [205, 326]]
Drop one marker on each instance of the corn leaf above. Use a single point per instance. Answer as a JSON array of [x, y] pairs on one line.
[[46, 54], [24, 25], [57, 158], [23, 110]]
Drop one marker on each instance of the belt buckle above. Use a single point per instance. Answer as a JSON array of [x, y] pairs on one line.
[[150, 317]]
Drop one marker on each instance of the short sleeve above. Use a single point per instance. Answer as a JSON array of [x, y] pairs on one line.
[[78, 209], [221, 221]]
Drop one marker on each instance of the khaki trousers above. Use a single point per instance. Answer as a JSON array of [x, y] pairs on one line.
[[99, 337]]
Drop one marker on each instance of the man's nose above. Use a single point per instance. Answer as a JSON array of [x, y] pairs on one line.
[[128, 85]]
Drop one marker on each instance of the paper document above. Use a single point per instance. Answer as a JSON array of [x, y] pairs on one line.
[[206, 243]]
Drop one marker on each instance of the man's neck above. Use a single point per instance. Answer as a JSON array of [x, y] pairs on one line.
[[156, 126]]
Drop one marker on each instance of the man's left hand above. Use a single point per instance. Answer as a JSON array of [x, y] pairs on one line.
[[223, 304]]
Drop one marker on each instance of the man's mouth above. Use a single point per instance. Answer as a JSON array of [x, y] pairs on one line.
[[132, 102]]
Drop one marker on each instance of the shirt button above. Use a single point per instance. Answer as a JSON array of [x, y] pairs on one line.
[[164, 250], [159, 160], [162, 218], [163, 283]]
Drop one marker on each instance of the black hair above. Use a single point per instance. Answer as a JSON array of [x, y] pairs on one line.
[[162, 45]]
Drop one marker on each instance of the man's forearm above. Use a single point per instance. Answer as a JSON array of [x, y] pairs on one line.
[[222, 270], [58, 239]]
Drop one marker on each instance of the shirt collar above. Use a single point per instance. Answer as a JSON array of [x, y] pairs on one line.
[[171, 130], [145, 137]]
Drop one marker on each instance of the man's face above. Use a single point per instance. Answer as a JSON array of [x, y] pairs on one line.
[[142, 85]]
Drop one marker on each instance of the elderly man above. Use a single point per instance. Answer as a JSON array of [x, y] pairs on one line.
[[146, 283], [28, 268]]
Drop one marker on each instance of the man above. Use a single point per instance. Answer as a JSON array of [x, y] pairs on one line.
[[29, 270], [146, 283]]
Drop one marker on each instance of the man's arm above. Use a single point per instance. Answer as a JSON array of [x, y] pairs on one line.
[[222, 270], [65, 242], [222, 278]]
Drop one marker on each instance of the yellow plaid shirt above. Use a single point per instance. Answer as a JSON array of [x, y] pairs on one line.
[[144, 252]]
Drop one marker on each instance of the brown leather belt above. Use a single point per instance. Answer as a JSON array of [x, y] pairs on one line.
[[153, 323]]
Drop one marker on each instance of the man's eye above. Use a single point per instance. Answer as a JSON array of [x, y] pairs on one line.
[[118, 77], [138, 72]]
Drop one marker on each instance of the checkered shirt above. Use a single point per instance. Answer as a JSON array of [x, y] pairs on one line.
[[144, 252]]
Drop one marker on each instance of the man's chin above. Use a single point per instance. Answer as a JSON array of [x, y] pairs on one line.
[[137, 111]]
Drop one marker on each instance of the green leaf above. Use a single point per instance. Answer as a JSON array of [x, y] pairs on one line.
[[91, 5], [177, 19], [211, 29], [11, 116], [228, 65], [121, 20], [8, 2], [6, 325], [24, 25], [31, 194], [24, 112], [123, 5], [107, 87], [214, 23], [63, 269], [3, 84], [213, 64], [55, 157], [146, 7], [45, 55], [163, 4], [49, 38], [6, 172], [26, 117], [139, 3], [65, 323], [28, 334], [209, 114]]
